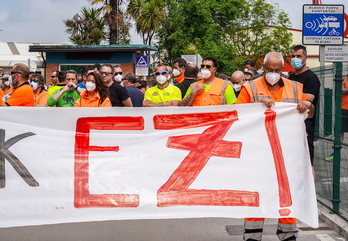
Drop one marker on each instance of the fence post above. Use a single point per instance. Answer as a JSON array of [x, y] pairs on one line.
[[337, 139]]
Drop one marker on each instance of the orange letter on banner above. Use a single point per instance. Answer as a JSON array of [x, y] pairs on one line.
[[282, 176], [175, 191], [83, 198]]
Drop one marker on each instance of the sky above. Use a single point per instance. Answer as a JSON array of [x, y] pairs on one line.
[[41, 21]]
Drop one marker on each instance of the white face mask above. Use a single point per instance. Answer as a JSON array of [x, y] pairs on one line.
[[168, 77], [122, 84], [90, 86], [272, 78], [246, 70], [176, 72], [11, 80], [7, 83], [205, 73], [34, 85], [118, 78], [161, 79], [237, 87]]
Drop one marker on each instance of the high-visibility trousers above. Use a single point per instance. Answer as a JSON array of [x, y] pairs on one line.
[[287, 229]]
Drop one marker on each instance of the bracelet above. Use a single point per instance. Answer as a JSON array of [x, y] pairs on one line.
[[311, 103]]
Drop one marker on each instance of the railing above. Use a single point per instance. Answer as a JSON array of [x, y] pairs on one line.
[[331, 173]]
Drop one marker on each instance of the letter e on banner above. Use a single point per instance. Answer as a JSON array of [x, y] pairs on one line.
[[83, 198]]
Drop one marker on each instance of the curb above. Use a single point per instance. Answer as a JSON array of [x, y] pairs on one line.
[[333, 220]]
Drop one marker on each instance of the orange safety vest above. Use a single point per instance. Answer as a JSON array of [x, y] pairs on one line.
[[257, 89], [180, 78], [214, 96]]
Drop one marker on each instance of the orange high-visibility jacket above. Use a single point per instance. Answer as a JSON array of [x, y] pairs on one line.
[[291, 92], [214, 96]]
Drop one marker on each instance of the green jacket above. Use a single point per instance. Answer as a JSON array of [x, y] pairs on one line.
[[66, 100]]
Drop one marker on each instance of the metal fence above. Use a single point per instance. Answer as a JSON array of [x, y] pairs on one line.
[[331, 173]]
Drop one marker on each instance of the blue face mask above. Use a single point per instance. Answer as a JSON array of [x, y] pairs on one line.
[[296, 63]]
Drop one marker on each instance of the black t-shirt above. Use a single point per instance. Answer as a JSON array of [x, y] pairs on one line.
[[311, 85], [183, 86], [117, 94]]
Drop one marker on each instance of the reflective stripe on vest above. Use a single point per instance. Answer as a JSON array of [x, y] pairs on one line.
[[287, 95], [253, 229], [287, 231]]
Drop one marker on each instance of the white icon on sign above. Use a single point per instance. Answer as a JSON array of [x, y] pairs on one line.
[[321, 25], [141, 61], [334, 32]]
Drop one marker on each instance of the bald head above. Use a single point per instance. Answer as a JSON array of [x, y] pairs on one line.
[[20, 74], [191, 71], [273, 62], [274, 57], [23, 69], [238, 77]]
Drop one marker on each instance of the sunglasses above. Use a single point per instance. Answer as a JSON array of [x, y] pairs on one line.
[[53, 76], [161, 73], [105, 73], [13, 73], [116, 73], [35, 80], [206, 66]]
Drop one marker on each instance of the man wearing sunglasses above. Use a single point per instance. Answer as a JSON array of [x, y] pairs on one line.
[[118, 73], [163, 94], [22, 94], [210, 90], [54, 80], [118, 95]]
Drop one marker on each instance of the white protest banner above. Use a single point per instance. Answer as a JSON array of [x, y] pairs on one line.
[[60, 165]]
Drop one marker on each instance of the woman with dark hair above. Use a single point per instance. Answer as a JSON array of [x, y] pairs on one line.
[[37, 83], [96, 94]]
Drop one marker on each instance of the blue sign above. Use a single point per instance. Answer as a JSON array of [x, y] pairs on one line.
[[142, 65], [323, 24], [142, 61]]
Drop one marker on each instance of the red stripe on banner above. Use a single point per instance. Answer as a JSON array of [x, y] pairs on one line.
[[82, 196], [282, 177]]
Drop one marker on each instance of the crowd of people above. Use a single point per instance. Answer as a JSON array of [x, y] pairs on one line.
[[185, 85]]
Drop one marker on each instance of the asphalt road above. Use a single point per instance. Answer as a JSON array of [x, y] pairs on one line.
[[199, 229]]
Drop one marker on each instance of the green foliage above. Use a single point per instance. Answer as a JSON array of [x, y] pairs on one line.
[[148, 16], [260, 28], [198, 26], [116, 19], [87, 28]]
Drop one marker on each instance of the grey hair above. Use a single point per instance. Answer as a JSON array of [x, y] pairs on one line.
[[274, 54]]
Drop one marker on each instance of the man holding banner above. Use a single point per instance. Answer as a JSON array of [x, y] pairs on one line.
[[268, 89]]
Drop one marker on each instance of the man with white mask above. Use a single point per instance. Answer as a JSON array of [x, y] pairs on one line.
[[268, 89], [238, 79], [118, 74], [178, 70], [163, 94], [22, 94], [210, 90]]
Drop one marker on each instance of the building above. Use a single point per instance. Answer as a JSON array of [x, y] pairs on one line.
[[64, 57]]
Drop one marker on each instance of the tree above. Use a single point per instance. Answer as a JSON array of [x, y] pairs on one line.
[[199, 25], [116, 19], [260, 27], [87, 28], [148, 15]]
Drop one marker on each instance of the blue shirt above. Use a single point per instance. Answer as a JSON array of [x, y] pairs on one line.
[[136, 96]]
